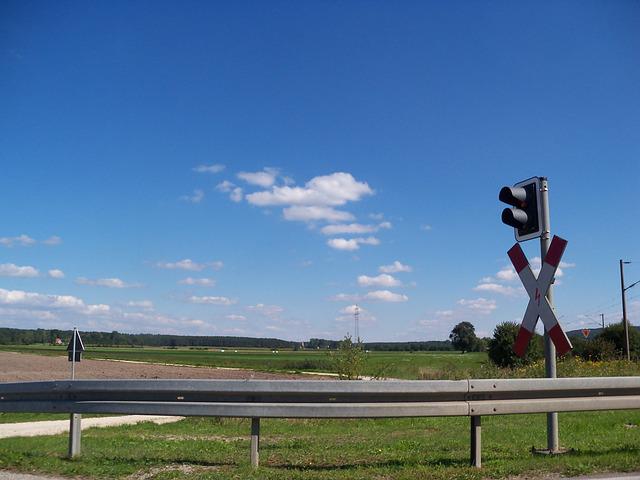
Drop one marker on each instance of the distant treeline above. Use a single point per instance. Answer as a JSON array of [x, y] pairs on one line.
[[16, 336], [9, 336]]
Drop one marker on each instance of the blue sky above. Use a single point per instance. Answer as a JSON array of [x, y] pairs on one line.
[[258, 168]]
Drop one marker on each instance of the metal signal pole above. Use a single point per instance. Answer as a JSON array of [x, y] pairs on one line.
[[624, 311], [549, 347]]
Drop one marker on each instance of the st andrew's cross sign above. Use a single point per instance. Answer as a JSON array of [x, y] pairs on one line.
[[538, 304]]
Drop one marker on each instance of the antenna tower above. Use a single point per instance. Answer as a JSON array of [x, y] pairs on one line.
[[356, 322]]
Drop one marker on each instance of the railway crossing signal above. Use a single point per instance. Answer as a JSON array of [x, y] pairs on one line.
[[538, 306], [525, 212], [529, 216]]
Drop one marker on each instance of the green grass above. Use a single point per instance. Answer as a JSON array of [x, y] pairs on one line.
[[389, 364], [435, 448]]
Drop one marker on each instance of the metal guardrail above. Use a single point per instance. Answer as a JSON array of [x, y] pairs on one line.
[[257, 399]]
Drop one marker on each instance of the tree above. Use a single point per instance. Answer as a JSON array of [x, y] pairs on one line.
[[501, 347], [463, 337]]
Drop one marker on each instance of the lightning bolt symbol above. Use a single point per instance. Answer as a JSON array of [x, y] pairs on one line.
[[537, 296]]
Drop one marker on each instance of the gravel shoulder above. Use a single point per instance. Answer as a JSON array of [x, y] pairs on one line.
[[54, 427]]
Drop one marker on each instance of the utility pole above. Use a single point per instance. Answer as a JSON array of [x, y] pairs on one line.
[[624, 311], [549, 347], [356, 322], [602, 316]]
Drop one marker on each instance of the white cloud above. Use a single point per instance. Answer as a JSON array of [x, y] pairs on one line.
[[480, 305], [346, 297], [190, 265], [507, 274], [207, 300], [351, 243], [385, 296], [186, 264], [21, 240], [39, 300], [315, 213], [263, 179], [270, 311], [225, 186], [444, 313], [376, 216], [353, 228], [215, 168], [235, 317], [327, 190], [200, 282], [347, 314], [53, 240], [13, 270], [236, 195], [426, 228], [56, 273], [343, 244], [27, 314], [497, 288], [395, 267], [144, 304], [197, 197], [106, 282], [348, 228], [382, 280]]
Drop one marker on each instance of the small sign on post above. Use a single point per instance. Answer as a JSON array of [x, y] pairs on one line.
[[75, 347], [74, 351]]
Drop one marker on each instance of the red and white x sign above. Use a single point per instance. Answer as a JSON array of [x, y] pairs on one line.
[[537, 289]]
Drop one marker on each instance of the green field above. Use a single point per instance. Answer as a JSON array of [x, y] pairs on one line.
[[408, 365]]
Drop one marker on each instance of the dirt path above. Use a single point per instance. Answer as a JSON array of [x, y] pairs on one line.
[[18, 367]]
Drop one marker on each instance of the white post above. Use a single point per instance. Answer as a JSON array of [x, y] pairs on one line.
[[75, 420]]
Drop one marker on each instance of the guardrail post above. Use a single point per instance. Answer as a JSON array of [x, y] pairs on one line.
[[75, 434], [255, 442], [476, 442]]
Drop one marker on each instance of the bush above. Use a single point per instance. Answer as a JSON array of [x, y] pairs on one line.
[[501, 347], [615, 335], [594, 350], [349, 360]]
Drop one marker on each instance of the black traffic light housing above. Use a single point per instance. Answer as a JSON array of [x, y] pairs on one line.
[[525, 215]]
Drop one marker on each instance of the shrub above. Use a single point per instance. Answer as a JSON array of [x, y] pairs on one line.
[[501, 347], [615, 335], [349, 360], [595, 350]]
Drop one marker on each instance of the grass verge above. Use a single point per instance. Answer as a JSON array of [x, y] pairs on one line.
[[435, 448]]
